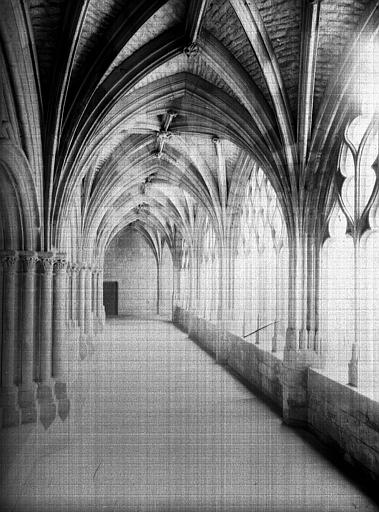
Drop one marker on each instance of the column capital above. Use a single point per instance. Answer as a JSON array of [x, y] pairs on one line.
[[247, 250], [46, 260], [82, 270], [28, 261], [9, 260], [60, 264], [70, 269], [47, 264]]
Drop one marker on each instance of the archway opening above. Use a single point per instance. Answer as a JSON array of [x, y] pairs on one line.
[[137, 281]]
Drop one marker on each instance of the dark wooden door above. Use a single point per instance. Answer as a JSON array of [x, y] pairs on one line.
[[110, 290]]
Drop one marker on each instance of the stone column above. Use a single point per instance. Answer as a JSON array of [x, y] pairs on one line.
[[46, 405], [60, 352], [74, 294], [249, 290], [274, 341], [8, 393], [88, 302], [27, 390], [96, 310], [94, 291], [68, 287], [190, 280], [46, 322], [260, 293], [95, 313], [221, 282], [82, 298], [176, 286], [297, 357], [159, 285], [100, 305], [99, 299], [222, 300]]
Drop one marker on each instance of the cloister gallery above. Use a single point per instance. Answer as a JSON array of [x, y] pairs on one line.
[[212, 163]]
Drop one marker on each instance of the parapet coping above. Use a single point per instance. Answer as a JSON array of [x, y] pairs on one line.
[[365, 393]]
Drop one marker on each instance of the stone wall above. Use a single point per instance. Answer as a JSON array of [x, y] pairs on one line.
[[259, 368], [131, 262], [344, 420]]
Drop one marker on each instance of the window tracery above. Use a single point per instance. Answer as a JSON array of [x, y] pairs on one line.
[[351, 302]]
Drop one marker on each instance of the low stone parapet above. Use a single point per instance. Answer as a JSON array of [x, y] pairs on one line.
[[341, 417], [345, 420], [259, 368]]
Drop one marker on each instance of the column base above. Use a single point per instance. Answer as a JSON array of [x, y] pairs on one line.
[[97, 324], [60, 390], [10, 411], [27, 404], [85, 346], [90, 348], [83, 349], [45, 390], [353, 373], [103, 316], [62, 400], [291, 339], [47, 409]]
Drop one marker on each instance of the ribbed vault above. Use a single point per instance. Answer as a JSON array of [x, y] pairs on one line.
[[262, 76], [164, 114], [238, 141]]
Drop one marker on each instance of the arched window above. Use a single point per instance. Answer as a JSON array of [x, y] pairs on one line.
[[350, 253]]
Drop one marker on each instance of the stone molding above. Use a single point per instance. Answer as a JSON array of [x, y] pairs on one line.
[[46, 262], [28, 262], [72, 268], [192, 50], [9, 262], [60, 264], [163, 135]]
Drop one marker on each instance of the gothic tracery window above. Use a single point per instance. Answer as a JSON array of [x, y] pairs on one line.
[[350, 255]]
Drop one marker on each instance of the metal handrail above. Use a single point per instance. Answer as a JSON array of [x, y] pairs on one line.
[[260, 328]]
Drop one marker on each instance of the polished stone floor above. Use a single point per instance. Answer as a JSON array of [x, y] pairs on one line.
[[156, 425]]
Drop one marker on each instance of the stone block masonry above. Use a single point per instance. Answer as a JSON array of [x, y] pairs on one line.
[[346, 421]]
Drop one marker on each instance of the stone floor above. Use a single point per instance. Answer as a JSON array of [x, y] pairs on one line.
[[156, 425]]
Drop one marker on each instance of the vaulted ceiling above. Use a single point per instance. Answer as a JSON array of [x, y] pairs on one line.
[[153, 107]]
